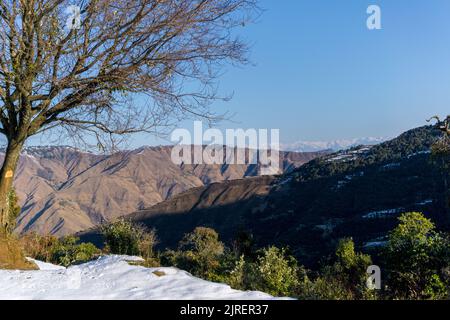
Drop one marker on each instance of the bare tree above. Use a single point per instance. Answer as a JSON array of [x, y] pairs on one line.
[[443, 125], [82, 72]]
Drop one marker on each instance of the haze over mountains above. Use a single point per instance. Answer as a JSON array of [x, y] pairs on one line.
[[63, 190], [334, 145]]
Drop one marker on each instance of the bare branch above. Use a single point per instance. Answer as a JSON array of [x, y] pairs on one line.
[[91, 79]]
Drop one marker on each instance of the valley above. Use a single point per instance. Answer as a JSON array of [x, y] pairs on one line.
[[63, 190], [356, 193]]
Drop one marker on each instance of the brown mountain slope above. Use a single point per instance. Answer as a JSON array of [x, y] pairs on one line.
[[356, 193], [63, 190], [223, 206]]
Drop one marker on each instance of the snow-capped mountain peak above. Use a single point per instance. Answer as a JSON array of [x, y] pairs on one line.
[[334, 145]]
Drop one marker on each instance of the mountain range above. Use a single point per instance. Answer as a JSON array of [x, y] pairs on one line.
[[63, 190], [334, 145], [356, 193]]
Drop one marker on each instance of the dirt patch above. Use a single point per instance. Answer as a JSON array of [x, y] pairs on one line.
[[12, 255], [159, 273]]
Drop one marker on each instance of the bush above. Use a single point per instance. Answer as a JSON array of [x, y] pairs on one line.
[[276, 272], [343, 279], [122, 237], [350, 269], [199, 253], [273, 272], [323, 288], [416, 258], [67, 252], [238, 276], [39, 247], [127, 238], [63, 252]]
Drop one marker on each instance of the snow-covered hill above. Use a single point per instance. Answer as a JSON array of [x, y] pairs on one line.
[[111, 278]]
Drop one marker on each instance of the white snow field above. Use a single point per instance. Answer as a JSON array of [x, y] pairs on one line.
[[112, 278]]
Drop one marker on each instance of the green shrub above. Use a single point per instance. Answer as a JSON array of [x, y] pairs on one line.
[[237, 277], [350, 269], [122, 237], [273, 272], [169, 258], [416, 258], [67, 252], [323, 288], [199, 253], [276, 272], [343, 279], [127, 238]]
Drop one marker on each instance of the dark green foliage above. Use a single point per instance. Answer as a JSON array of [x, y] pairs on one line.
[[440, 155], [409, 143], [275, 272], [416, 266], [244, 244], [351, 268], [67, 252], [199, 253], [313, 207], [125, 237], [417, 257], [344, 278], [14, 210], [415, 262]]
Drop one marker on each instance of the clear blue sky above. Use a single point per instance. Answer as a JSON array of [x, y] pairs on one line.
[[320, 74]]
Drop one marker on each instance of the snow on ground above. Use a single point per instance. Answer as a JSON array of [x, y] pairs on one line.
[[111, 278], [382, 213], [46, 266]]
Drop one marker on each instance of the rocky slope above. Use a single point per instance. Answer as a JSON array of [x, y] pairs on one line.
[[64, 190]]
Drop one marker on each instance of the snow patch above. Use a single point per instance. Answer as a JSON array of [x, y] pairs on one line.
[[391, 165], [111, 278], [375, 244], [336, 145], [45, 266], [425, 202], [419, 153], [382, 213], [349, 155]]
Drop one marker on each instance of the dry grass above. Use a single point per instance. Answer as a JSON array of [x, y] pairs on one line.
[[37, 246], [159, 273], [147, 263], [12, 255]]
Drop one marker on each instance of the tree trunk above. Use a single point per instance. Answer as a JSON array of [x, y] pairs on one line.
[[6, 180]]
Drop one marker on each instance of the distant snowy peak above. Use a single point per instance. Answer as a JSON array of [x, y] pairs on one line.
[[336, 145], [44, 150]]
